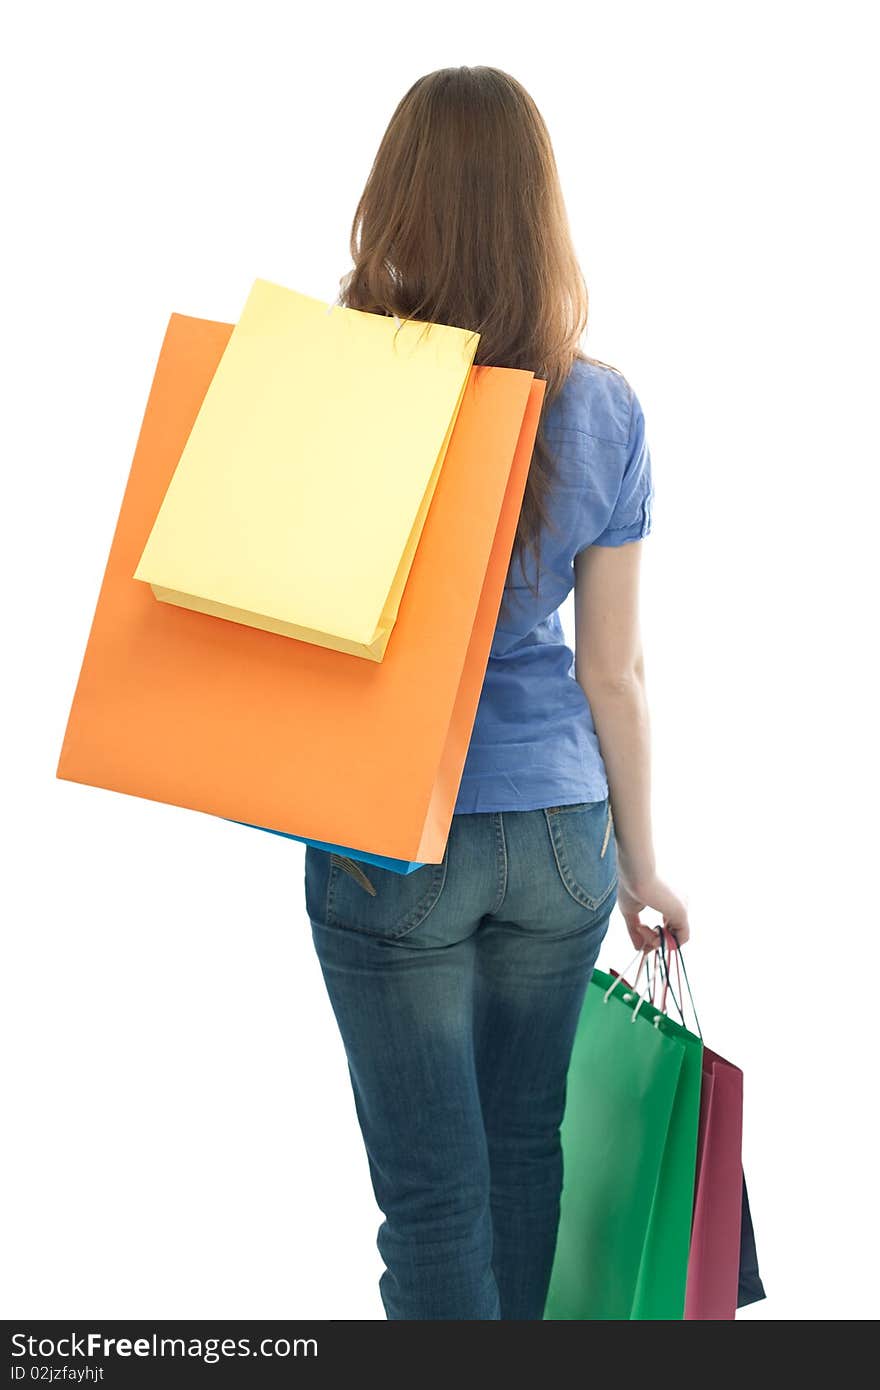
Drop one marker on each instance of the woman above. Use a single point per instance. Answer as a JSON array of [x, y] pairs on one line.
[[457, 987]]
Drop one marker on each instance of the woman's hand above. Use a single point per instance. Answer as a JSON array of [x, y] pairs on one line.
[[658, 895]]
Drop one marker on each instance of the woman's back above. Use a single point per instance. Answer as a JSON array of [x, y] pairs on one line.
[[534, 742], [458, 987]]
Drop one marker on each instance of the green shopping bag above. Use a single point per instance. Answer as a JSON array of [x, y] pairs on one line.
[[629, 1144]]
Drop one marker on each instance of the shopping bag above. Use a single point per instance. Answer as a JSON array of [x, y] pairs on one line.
[[396, 866], [713, 1267], [751, 1287], [302, 489], [722, 1265], [286, 735], [629, 1142]]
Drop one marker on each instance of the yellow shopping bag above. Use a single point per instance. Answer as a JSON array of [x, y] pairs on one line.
[[300, 495]]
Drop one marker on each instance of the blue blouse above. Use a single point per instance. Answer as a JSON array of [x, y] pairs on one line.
[[534, 742]]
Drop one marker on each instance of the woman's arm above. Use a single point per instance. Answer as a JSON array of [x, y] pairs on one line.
[[609, 665]]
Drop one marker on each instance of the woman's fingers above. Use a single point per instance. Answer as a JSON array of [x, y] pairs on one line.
[[646, 938], [643, 937], [682, 933]]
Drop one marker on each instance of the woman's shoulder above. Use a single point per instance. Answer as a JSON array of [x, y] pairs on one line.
[[596, 400]]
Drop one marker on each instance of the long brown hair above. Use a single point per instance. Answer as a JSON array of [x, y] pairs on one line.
[[462, 222]]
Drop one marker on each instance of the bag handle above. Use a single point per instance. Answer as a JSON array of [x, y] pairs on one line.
[[633, 989], [667, 952], [654, 979]]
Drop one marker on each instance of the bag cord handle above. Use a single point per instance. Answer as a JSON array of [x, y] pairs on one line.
[[654, 979], [666, 954]]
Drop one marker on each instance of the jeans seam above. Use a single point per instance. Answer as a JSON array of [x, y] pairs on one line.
[[500, 859]]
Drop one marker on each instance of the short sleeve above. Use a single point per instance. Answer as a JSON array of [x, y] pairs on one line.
[[632, 515]]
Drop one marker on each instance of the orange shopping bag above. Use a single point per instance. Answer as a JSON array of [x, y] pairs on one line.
[[197, 711]]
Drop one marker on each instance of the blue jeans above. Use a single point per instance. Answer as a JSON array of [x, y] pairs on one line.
[[457, 990]]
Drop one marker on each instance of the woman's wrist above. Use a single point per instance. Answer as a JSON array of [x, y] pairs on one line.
[[637, 872]]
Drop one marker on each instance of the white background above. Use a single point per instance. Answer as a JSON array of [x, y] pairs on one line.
[[182, 1138]]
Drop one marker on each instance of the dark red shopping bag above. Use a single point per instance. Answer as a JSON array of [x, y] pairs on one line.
[[723, 1264], [716, 1232]]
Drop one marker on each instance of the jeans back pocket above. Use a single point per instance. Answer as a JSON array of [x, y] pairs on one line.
[[338, 893], [585, 849]]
